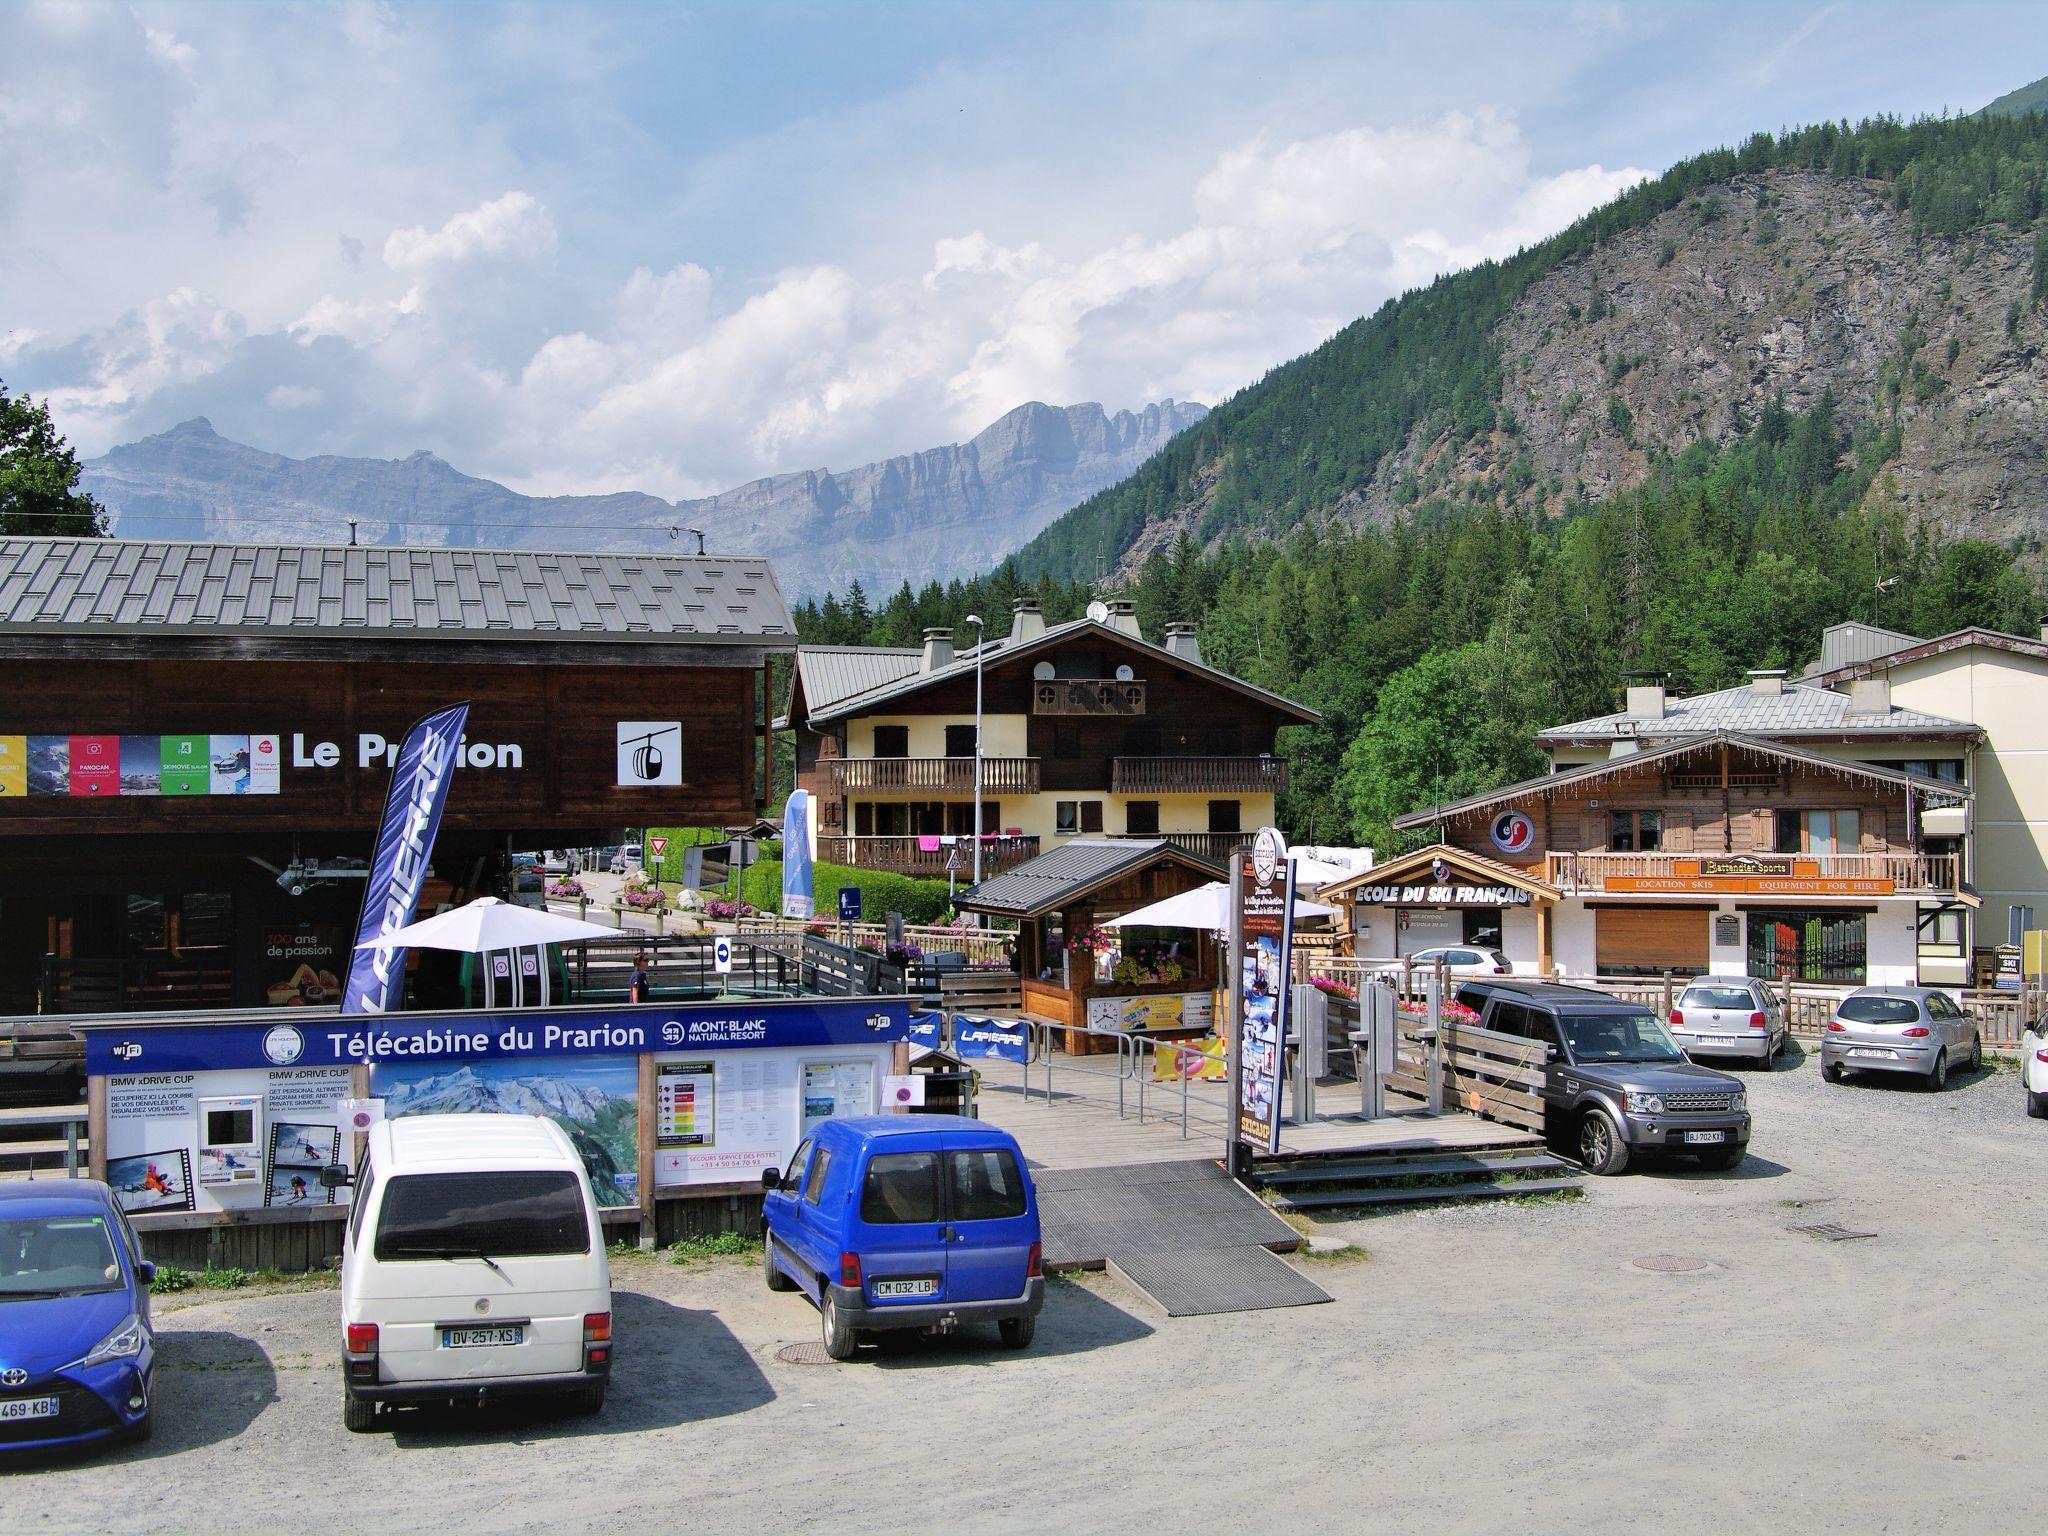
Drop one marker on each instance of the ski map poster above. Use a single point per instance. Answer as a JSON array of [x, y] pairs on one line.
[[1262, 893]]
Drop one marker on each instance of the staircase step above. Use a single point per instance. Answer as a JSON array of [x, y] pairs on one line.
[[1421, 1194], [1395, 1168]]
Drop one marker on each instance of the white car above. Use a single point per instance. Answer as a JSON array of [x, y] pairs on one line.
[[2034, 1068], [626, 860], [473, 1268], [1462, 961]]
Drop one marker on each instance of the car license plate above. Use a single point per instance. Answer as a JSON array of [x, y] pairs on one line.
[[1869, 1050], [887, 1289], [1704, 1138], [1713, 1039], [29, 1408], [479, 1338]]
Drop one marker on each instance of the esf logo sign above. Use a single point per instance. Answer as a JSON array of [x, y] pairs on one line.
[[1513, 832]]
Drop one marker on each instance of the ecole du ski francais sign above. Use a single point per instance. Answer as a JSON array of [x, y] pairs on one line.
[[1441, 894]]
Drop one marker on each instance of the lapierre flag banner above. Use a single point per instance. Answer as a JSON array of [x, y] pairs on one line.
[[405, 842], [797, 853]]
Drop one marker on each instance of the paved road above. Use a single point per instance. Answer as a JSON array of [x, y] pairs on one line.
[[1662, 1355]]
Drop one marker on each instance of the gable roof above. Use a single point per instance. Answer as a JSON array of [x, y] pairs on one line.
[[1940, 645], [1072, 870], [138, 587], [1394, 871], [1852, 641], [1799, 710], [1550, 783], [992, 652]]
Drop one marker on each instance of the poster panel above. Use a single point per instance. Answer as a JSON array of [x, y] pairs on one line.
[[183, 769], [743, 1109], [227, 759], [835, 1088], [1262, 886], [157, 1133], [1157, 1011], [685, 1104], [13, 767], [266, 765], [96, 767], [142, 766], [298, 1152], [49, 765], [1199, 1061]]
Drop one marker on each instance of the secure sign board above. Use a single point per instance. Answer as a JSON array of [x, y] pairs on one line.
[[1448, 894]]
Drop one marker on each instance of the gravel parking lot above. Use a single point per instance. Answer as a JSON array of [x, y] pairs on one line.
[[1664, 1352]]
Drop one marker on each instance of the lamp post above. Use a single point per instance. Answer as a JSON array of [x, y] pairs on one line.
[[975, 620]]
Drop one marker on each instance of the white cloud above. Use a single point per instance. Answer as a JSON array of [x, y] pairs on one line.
[[293, 397], [512, 227]]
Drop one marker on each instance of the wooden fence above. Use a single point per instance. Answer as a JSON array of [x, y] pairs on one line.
[[980, 946], [1494, 1076]]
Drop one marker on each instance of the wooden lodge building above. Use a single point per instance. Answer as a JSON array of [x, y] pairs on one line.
[[189, 732], [1089, 730], [1709, 852]]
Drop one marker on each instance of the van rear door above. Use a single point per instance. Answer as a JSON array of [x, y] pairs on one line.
[[899, 1228], [993, 1219]]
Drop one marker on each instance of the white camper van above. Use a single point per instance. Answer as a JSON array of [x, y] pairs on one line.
[[473, 1269]]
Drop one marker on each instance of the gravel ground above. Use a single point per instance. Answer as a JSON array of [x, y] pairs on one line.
[[1663, 1352]]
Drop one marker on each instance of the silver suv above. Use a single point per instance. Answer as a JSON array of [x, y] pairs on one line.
[[1918, 1030]]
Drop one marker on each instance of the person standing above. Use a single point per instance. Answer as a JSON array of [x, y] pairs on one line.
[[641, 984]]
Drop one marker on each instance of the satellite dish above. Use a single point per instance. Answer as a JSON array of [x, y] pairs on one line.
[[1124, 674], [1042, 672], [1099, 611]]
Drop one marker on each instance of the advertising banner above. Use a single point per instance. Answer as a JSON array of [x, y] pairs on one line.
[[405, 842], [1262, 888], [96, 766], [13, 767], [990, 1039], [797, 899], [165, 1132]]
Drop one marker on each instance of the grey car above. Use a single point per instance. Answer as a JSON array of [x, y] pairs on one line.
[[1915, 1030], [1738, 1018]]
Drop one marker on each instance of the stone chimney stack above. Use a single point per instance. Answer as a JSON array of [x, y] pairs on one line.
[[1646, 699], [1123, 618], [1181, 640], [1870, 695], [1027, 620], [1767, 682], [938, 649]]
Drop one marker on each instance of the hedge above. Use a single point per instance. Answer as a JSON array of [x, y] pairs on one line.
[[920, 901]]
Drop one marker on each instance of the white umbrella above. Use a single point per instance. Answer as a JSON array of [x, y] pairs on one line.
[[1205, 907], [487, 924], [1317, 873]]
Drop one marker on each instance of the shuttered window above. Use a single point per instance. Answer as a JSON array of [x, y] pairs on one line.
[[1647, 941]]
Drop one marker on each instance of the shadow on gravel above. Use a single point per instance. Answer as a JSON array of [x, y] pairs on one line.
[[1075, 1321], [1753, 1167], [209, 1388], [674, 1366]]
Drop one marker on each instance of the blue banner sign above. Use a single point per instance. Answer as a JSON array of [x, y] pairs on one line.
[[849, 903], [405, 843], [989, 1039], [797, 901], [924, 1031], [336, 1040]]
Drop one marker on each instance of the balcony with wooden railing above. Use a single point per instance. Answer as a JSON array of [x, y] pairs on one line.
[[1580, 874], [918, 775], [1263, 775], [928, 857], [1214, 847]]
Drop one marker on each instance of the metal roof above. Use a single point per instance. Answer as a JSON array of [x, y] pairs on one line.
[[1544, 784], [994, 651], [1070, 871], [1799, 710], [1940, 645], [834, 672], [1845, 644], [145, 587]]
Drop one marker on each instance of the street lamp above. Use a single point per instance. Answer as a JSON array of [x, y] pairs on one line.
[[975, 620]]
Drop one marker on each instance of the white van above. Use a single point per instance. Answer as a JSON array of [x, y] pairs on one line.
[[473, 1268]]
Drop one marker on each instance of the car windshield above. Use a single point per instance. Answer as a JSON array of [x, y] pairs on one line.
[[1617, 1036], [1717, 997], [56, 1255], [1879, 1010]]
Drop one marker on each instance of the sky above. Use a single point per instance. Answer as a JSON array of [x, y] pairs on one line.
[[675, 248]]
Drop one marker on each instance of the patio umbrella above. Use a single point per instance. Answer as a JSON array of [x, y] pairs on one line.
[[488, 924], [1205, 907]]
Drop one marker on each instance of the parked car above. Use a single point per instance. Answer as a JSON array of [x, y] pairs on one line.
[[1730, 1016], [1917, 1030], [77, 1354], [625, 860], [473, 1268], [1616, 1085], [891, 1223], [1460, 961], [2034, 1068]]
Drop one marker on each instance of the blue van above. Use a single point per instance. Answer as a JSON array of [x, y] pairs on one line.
[[76, 1350], [897, 1222]]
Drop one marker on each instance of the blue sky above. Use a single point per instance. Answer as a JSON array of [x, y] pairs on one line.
[[582, 248]]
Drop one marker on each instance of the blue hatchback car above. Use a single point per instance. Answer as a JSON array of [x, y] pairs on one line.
[[76, 1351], [901, 1222]]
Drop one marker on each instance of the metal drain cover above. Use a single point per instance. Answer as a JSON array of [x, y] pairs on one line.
[[1669, 1263], [812, 1353], [1831, 1232]]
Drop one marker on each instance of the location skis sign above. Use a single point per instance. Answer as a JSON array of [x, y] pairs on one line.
[[405, 842], [1262, 890]]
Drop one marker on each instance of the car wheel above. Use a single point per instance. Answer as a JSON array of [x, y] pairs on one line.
[[589, 1401], [838, 1332], [141, 1431], [1937, 1079], [1977, 1053], [357, 1416], [1832, 1071], [1601, 1148], [1017, 1331], [1763, 1063], [770, 1270], [2037, 1104], [1724, 1159]]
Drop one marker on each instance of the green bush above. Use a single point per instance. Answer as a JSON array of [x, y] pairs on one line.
[[920, 901], [170, 1280]]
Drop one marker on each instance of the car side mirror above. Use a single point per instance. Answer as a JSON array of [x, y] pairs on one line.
[[1552, 1053], [145, 1273], [334, 1176], [771, 1178]]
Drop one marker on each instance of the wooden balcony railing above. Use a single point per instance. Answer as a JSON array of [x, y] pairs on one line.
[[913, 856], [1581, 873], [1212, 846], [1266, 775], [1087, 696], [954, 775]]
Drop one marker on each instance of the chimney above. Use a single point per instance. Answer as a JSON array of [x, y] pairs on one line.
[[1767, 682], [1646, 700], [1182, 642], [1870, 696], [1027, 620], [1123, 618], [2044, 628], [938, 649]]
